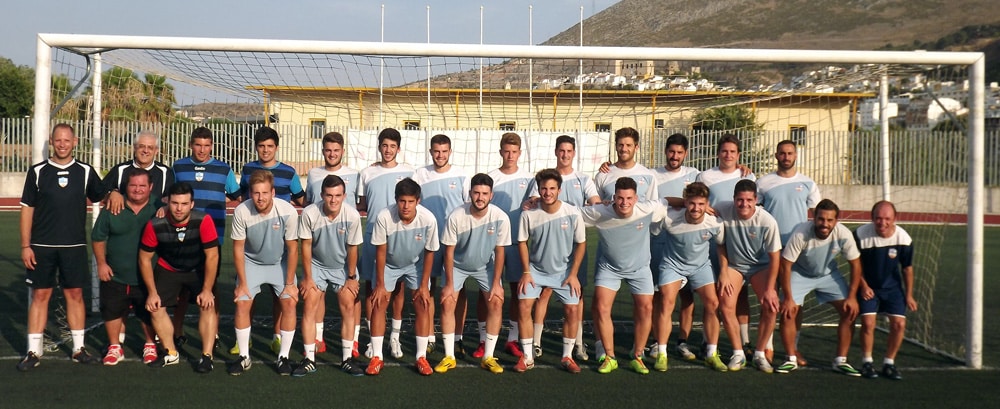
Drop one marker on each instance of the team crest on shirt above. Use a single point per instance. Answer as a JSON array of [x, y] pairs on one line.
[[399, 178], [893, 253], [418, 237], [198, 176], [752, 234], [576, 185], [181, 233], [642, 181], [452, 185], [63, 181], [640, 225], [491, 230], [564, 224], [341, 230], [799, 188], [705, 235], [276, 226], [835, 249]]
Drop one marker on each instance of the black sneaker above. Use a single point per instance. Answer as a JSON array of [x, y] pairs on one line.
[[219, 346], [284, 366], [205, 365], [179, 341], [307, 366], [352, 367], [84, 357], [240, 365], [890, 371], [166, 360], [459, 350], [868, 371], [29, 362]]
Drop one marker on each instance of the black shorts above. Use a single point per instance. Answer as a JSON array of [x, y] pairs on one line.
[[65, 266], [169, 285], [118, 298]]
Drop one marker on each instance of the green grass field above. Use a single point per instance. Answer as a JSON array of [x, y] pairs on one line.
[[930, 380]]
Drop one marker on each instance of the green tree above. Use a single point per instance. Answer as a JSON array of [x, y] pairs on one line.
[[17, 89], [730, 117]]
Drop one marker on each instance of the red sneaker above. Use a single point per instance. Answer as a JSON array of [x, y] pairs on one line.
[[320, 346], [570, 365], [149, 353], [513, 348], [354, 350], [480, 351], [374, 366], [424, 367], [114, 355], [523, 366]]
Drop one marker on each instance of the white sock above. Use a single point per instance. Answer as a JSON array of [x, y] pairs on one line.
[[121, 337], [422, 347], [346, 349], [35, 344], [513, 334], [739, 352], [710, 349], [759, 354], [840, 360], [482, 330], [578, 341], [868, 359], [431, 338], [286, 343], [458, 337], [568, 344], [243, 341], [770, 342], [529, 352], [77, 335], [491, 345], [276, 336], [537, 338], [377, 346], [357, 333], [449, 344], [745, 333], [319, 331], [888, 361], [793, 358], [396, 326], [309, 350], [661, 349]]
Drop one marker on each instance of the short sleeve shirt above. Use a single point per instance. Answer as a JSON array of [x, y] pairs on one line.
[[265, 233]]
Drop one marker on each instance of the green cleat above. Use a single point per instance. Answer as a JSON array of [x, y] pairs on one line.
[[276, 345], [235, 350], [715, 363], [661, 362], [638, 366], [608, 365], [787, 367]]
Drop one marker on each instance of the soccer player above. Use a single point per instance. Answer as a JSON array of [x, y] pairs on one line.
[[115, 240], [887, 286], [686, 259], [145, 148], [510, 189], [187, 259], [623, 230], [330, 233], [402, 234], [376, 189], [626, 145], [556, 231], [333, 156], [265, 251], [753, 250], [54, 240], [809, 263], [476, 232], [578, 190]]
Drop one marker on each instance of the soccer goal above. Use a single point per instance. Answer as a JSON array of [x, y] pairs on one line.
[[827, 102]]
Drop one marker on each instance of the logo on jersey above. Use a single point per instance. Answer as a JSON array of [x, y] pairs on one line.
[[341, 230], [752, 234], [491, 230], [181, 233], [452, 185], [705, 235], [418, 237], [799, 188], [893, 253], [640, 225], [276, 226], [642, 181], [198, 176], [576, 185], [522, 184], [399, 178], [63, 181], [564, 224], [835, 249]]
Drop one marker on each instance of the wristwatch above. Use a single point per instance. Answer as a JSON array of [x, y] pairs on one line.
[[352, 277]]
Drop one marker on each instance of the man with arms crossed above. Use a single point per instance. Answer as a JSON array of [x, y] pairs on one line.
[[556, 232], [187, 260], [809, 263], [476, 232], [265, 251], [330, 233]]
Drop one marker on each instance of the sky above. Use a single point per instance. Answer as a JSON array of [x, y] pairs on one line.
[[451, 21]]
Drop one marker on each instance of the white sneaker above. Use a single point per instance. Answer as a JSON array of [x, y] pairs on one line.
[[737, 362], [395, 348], [580, 353], [762, 365], [685, 352]]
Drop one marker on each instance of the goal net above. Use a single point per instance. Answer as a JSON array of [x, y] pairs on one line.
[[827, 102]]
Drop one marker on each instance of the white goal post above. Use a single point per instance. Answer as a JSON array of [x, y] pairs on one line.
[[975, 61]]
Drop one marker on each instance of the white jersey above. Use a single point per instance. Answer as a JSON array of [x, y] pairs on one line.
[[721, 185], [576, 189], [687, 246], [442, 193], [644, 179], [265, 234], [378, 185], [509, 193], [788, 199], [623, 245], [330, 238], [748, 242], [551, 238], [314, 184], [476, 239], [672, 184], [813, 257], [405, 242]]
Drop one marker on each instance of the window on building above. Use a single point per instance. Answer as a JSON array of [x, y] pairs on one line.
[[602, 126], [318, 128], [797, 134], [506, 125], [658, 123], [412, 125]]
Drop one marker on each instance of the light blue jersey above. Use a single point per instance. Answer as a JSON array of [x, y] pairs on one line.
[[551, 238], [812, 257], [624, 242], [330, 237], [509, 193], [787, 199], [265, 234], [314, 184], [748, 242], [378, 185], [688, 244], [668, 184], [577, 188], [644, 178], [405, 243], [721, 185], [442, 192], [476, 239]]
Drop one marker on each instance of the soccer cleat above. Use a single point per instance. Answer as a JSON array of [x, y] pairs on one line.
[[538, 350], [395, 348], [787, 367], [180, 340], [845, 368], [82, 356], [684, 351], [714, 362], [166, 360], [580, 352], [638, 365], [284, 366], [737, 362], [235, 350], [205, 365], [762, 365], [374, 366], [652, 349], [218, 344], [430, 346], [445, 364], [491, 364], [29, 362], [369, 351], [276, 345], [114, 355], [320, 346], [661, 363], [459, 350], [240, 365], [569, 365], [523, 365], [354, 350], [608, 365], [513, 348], [890, 371], [480, 351], [307, 366], [149, 353], [424, 367], [868, 370], [747, 349], [352, 367]]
